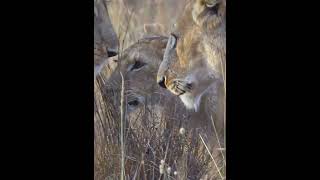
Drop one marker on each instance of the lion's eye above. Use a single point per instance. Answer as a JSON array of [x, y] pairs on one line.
[[137, 65], [133, 103], [213, 7], [211, 3]]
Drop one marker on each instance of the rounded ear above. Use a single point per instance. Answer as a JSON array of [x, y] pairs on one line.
[[154, 29]]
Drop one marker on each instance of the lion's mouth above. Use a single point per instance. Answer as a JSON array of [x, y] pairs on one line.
[[187, 88], [179, 87]]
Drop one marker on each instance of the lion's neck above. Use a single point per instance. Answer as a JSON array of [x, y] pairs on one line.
[[210, 111]]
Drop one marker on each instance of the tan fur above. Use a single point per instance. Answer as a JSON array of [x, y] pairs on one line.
[[200, 53], [199, 56], [140, 83]]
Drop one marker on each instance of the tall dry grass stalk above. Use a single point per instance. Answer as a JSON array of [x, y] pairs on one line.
[[123, 105], [214, 161], [122, 112]]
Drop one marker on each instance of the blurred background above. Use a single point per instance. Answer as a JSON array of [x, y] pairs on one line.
[[130, 17]]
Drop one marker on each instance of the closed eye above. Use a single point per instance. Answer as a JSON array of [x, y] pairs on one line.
[[133, 103], [136, 66]]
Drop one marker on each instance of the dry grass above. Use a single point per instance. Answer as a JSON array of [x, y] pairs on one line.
[[150, 136]]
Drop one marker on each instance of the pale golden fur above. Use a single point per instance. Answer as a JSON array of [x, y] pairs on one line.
[[198, 57], [194, 65], [139, 65]]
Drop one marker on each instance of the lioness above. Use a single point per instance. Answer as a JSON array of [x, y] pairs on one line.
[[105, 38], [194, 60]]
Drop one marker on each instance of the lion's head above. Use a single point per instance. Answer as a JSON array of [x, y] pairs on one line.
[[195, 53], [139, 66]]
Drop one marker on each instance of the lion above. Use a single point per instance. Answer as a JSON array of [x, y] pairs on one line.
[[194, 60], [105, 38], [139, 65], [193, 66]]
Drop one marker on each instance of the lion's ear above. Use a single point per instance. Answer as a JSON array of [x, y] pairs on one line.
[[154, 29]]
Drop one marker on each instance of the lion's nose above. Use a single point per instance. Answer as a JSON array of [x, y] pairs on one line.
[[161, 81]]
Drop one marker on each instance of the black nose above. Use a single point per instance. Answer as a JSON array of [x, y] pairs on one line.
[[161, 82], [112, 52]]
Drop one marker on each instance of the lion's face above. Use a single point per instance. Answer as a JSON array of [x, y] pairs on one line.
[[145, 100], [186, 73], [105, 38], [139, 66], [188, 68]]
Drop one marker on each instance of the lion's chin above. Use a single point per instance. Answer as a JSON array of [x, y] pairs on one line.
[[190, 101]]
